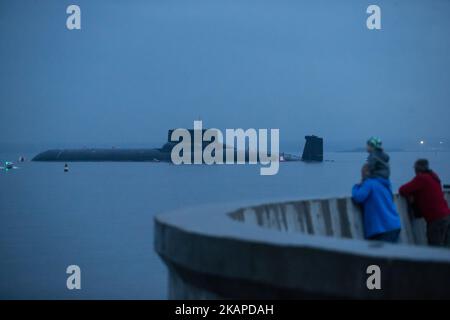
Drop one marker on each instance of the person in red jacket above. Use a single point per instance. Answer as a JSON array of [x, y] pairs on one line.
[[425, 192]]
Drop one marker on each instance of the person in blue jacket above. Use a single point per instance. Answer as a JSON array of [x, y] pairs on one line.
[[381, 220]]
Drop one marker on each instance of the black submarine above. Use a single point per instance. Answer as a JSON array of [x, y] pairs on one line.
[[312, 152]]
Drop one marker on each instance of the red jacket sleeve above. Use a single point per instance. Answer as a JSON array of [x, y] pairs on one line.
[[410, 187]]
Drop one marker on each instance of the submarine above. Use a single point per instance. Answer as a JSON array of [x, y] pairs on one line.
[[109, 154], [312, 152]]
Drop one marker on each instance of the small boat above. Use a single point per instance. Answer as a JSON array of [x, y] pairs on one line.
[[8, 166]]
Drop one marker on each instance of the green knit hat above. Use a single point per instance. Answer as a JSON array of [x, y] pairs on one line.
[[374, 142]]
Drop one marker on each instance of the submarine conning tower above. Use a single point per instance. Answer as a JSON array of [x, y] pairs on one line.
[[313, 150]]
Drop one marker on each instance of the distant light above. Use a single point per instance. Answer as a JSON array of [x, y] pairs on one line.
[[441, 142], [422, 142]]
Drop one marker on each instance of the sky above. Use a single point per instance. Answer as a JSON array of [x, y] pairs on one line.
[[139, 68]]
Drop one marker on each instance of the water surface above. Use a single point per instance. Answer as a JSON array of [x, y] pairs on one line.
[[100, 216]]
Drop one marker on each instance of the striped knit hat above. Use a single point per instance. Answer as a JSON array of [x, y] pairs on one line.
[[374, 142]]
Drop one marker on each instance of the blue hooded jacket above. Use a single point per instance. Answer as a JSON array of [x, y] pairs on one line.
[[380, 214]]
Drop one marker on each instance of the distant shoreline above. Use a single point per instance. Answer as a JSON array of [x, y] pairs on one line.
[[362, 150]]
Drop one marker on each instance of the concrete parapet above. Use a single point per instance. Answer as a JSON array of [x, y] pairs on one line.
[[294, 249]]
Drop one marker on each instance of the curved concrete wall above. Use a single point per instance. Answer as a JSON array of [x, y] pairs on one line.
[[294, 249], [338, 217]]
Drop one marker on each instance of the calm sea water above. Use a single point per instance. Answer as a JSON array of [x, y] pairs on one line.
[[100, 216]]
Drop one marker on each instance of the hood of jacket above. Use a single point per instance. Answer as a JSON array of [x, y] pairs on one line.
[[381, 155]]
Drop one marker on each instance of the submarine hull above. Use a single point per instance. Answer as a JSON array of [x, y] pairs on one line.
[[69, 155], [313, 151], [117, 155]]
